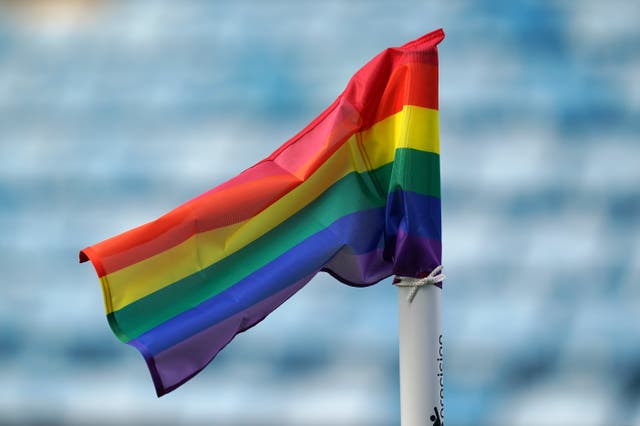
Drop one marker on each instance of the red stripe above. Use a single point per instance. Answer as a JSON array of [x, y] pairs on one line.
[[409, 84], [398, 76]]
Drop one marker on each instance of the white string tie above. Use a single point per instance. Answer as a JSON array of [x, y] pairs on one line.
[[434, 277]]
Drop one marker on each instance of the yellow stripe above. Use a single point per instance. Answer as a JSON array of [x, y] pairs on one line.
[[413, 127]]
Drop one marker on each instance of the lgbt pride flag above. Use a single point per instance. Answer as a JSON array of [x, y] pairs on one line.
[[355, 194]]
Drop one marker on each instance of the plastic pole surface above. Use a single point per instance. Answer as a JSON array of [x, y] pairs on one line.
[[420, 343]]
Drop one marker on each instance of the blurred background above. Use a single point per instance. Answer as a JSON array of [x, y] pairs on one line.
[[114, 112]]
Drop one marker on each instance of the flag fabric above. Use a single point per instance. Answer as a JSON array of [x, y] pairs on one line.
[[356, 194]]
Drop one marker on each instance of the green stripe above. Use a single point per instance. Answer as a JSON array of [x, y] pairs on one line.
[[412, 170], [416, 171]]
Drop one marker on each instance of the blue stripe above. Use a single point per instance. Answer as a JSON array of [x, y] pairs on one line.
[[362, 232]]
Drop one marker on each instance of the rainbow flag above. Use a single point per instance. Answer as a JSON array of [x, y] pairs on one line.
[[355, 194]]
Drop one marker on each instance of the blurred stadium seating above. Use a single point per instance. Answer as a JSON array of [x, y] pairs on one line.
[[112, 113]]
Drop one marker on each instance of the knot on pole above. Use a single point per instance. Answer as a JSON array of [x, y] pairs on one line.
[[415, 283]]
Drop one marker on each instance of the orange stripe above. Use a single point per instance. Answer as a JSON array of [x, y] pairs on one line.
[[414, 128], [260, 186]]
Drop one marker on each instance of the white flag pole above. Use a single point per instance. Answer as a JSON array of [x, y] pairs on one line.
[[420, 343]]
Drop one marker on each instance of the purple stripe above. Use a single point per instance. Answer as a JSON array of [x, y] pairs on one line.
[[359, 269], [351, 249], [177, 364], [345, 235], [415, 256], [369, 268]]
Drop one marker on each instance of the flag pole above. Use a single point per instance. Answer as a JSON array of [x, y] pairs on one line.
[[420, 346]]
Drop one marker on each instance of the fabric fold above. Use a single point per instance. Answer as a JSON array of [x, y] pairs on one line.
[[355, 194]]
